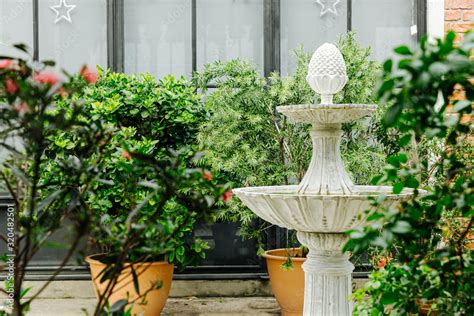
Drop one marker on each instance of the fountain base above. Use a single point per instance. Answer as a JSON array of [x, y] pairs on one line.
[[328, 280]]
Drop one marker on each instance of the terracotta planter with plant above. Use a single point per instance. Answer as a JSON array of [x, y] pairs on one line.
[[154, 283], [287, 279]]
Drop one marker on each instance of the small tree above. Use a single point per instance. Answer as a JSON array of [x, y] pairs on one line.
[[30, 124]]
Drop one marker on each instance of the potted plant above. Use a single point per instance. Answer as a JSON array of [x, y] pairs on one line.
[[149, 195], [249, 144]]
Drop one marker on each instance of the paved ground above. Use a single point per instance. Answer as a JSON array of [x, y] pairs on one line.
[[219, 297], [229, 306]]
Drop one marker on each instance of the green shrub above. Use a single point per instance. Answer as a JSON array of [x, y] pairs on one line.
[[155, 122], [427, 235]]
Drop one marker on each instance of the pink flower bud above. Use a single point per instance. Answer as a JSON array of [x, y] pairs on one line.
[[10, 86], [227, 196], [88, 75], [206, 175], [5, 63], [46, 78], [126, 155]]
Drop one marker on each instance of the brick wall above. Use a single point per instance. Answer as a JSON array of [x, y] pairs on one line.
[[458, 16]]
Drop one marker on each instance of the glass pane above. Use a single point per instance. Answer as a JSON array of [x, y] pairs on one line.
[[311, 24], [16, 25], [389, 24], [158, 37], [228, 29], [72, 45], [226, 247]]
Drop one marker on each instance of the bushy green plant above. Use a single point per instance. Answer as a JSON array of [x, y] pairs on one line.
[[153, 119], [427, 269], [249, 144]]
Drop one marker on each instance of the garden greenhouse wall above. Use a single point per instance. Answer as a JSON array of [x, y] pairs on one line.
[[179, 37]]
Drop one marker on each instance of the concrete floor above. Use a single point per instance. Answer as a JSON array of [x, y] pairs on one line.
[[258, 306], [218, 297]]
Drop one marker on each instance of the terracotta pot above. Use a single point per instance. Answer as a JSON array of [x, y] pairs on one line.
[[148, 276], [287, 285]]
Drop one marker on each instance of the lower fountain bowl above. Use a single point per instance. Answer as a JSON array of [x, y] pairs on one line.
[[285, 207]]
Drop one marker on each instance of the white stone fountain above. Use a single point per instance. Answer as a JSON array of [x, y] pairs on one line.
[[326, 203]]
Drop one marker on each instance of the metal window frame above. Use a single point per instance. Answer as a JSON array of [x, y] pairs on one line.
[[115, 35], [271, 21]]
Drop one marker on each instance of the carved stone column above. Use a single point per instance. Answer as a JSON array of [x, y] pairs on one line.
[[328, 281], [326, 173]]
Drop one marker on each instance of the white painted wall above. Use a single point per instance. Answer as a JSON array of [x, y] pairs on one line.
[[436, 18]]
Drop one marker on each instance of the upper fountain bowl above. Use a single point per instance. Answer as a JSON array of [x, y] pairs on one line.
[[327, 113], [285, 207]]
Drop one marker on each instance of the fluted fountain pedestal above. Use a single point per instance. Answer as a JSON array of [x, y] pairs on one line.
[[328, 281], [326, 203]]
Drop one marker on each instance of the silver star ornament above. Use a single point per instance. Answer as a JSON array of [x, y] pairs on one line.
[[328, 6], [63, 11]]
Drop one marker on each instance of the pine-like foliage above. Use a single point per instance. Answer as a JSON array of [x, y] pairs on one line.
[[249, 144]]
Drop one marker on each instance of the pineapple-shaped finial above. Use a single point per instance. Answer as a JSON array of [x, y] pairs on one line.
[[327, 72]]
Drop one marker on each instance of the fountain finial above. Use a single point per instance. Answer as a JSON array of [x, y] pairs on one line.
[[327, 74]]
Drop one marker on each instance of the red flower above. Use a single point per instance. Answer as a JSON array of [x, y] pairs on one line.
[[11, 86], [126, 155], [207, 175], [21, 108], [227, 196], [5, 63], [46, 78], [88, 75], [382, 263]]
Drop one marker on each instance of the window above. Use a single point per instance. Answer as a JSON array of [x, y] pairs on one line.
[[81, 42], [16, 24], [391, 23], [228, 29], [158, 37], [303, 24]]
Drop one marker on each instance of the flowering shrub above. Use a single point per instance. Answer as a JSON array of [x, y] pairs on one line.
[[30, 121]]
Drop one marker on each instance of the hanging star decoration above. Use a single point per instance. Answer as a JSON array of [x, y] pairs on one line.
[[328, 6], [63, 11]]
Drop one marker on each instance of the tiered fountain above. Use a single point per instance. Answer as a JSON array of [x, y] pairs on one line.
[[326, 203]]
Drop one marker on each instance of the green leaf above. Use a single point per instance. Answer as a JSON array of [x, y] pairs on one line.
[[24, 292], [398, 187], [374, 216], [401, 227], [22, 47], [136, 284], [403, 50], [412, 182], [387, 66], [180, 251], [393, 113], [461, 105], [439, 69], [388, 298], [405, 140], [119, 306]]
